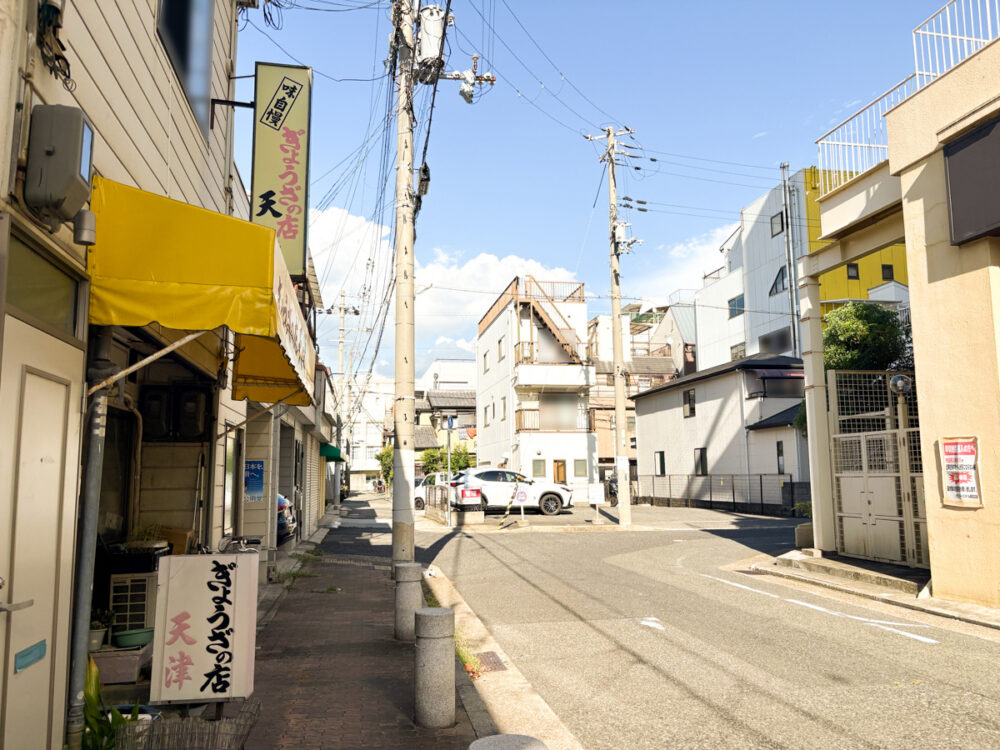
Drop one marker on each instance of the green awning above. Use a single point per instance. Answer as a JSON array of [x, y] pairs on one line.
[[330, 452]]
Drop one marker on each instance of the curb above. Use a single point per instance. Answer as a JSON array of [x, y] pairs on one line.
[[884, 598], [513, 705]]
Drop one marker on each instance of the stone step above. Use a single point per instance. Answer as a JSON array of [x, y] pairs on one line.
[[882, 575]]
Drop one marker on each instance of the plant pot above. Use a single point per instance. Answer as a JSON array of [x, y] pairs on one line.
[[96, 639]]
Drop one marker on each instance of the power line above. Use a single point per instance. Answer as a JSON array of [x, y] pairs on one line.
[[292, 57]]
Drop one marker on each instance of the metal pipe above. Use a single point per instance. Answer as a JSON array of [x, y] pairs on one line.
[[86, 548], [118, 375]]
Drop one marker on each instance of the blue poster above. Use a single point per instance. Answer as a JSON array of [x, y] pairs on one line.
[[253, 481]]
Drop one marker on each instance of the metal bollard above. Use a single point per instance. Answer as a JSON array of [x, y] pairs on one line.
[[409, 597], [434, 676], [507, 742]]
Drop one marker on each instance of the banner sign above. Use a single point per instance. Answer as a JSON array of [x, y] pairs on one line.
[[206, 628], [960, 472], [253, 481], [279, 189], [292, 331]]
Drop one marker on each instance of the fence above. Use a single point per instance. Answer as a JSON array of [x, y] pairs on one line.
[[767, 494]]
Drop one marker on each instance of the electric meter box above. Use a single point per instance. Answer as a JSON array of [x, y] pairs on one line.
[[60, 149]]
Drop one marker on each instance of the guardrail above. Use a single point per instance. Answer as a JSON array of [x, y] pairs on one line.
[[957, 31], [766, 494]]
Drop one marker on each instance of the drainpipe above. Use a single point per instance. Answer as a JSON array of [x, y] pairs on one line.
[[101, 367]]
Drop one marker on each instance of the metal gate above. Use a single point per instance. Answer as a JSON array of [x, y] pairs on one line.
[[878, 483]]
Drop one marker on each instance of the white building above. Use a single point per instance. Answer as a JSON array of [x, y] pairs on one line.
[[368, 406], [724, 433], [533, 382], [448, 374]]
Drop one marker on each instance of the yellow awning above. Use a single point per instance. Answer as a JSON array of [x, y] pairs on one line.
[[188, 268]]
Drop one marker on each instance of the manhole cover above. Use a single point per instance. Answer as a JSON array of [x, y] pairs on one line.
[[490, 662]]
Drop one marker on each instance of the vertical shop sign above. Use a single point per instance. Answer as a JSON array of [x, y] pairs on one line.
[[960, 472], [206, 628], [253, 481], [279, 191]]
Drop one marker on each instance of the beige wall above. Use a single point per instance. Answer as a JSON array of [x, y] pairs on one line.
[[955, 307]]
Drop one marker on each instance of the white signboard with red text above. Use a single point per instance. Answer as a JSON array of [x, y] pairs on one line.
[[960, 472], [206, 628]]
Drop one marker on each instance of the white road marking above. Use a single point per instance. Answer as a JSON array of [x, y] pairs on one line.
[[652, 622], [914, 636], [882, 624], [740, 586]]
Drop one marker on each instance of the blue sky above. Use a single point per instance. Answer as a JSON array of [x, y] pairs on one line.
[[747, 85]]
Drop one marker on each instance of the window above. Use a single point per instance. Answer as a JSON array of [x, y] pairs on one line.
[[185, 28], [739, 351], [701, 462], [852, 271], [689, 403], [780, 282], [538, 467], [887, 272], [777, 224], [736, 306], [494, 406], [580, 467], [659, 464], [781, 457], [503, 408], [39, 288], [667, 350], [491, 476], [775, 342], [500, 353], [630, 423], [486, 363], [486, 416], [370, 452]]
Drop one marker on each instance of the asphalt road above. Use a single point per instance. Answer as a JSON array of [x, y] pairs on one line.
[[660, 639]]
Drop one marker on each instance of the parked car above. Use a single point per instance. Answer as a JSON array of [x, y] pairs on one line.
[[286, 518], [436, 478], [497, 486]]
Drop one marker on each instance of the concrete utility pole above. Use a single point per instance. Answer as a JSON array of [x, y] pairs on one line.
[[403, 407], [403, 470], [793, 308], [341, 398], [617, 247]]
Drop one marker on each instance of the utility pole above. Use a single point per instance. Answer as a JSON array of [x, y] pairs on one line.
[[434, 22], [793, 310], [618, 246], [338, 472], [403, 406]]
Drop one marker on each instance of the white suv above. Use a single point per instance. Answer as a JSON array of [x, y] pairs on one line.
[[498, 486]]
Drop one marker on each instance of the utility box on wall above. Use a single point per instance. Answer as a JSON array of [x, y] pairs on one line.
[[60, 151]]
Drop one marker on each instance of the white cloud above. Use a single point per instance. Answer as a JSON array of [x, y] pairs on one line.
[[761, 134], [684, 266], [448, 342], [447, 312]]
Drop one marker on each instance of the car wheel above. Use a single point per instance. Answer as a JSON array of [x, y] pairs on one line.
[[483, 505], [550, 505], [418, 503]]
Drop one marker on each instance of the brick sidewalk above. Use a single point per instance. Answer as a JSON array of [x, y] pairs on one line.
[[329, 672]]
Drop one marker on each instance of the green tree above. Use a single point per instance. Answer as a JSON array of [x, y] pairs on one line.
[[384, 457], [436, 459], [862, 336]]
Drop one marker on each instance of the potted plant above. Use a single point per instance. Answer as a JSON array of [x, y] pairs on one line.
[[100, 621]]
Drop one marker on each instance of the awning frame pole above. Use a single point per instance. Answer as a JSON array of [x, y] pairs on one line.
[[258, 414], [107, 382]]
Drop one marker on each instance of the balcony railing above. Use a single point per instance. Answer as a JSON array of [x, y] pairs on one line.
[[957, 31], [533, 420], [860, 142]]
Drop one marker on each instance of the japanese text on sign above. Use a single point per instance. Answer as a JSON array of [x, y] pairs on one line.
[[205, 633], [281, 157], [960, 472]]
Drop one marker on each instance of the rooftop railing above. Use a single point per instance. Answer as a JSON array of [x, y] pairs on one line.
[[956, 32]]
